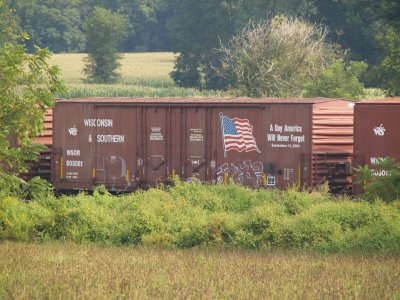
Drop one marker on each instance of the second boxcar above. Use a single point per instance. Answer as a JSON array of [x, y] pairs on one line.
[[127, 143], [376, 126]]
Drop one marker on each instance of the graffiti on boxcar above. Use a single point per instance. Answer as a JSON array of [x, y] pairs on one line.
[[112, 170], [242, 172]]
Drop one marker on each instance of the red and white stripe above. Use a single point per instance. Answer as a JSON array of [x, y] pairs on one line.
[[244, 140]]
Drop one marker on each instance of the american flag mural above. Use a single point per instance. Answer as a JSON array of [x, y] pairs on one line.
[[237, 134]]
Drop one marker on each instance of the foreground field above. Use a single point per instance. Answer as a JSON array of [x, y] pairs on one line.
[[68, 271], [143, 75]]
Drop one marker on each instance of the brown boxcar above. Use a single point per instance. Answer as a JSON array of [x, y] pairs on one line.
[[376, 132], [128, 143]]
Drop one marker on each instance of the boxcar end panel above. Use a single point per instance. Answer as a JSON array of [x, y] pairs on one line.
[[72, 150], [376, 135], [94, 145], [376, 132]]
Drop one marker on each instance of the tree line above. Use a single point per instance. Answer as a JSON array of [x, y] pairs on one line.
[[59, 24], [365, 30]]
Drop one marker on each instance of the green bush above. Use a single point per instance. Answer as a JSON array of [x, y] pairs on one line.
[[381, 233], [341, 80], [36, 188], [380, 182], [296, 202], [22, 221], [276, 57], [191, 214], [260, 224], [387, 70]]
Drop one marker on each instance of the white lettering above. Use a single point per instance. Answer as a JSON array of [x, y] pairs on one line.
[[156, 134], [278, 128], [74, 163], [297, 138], [279, 146], [89, 122], [111, 138], [98, 122], [283, 138], [271, 137], [293, 128], [73, 153], [73, 131], [376, 160], [380, 130], [381, 173]]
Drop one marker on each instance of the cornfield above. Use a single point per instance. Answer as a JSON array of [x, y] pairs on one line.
[[142, 75]]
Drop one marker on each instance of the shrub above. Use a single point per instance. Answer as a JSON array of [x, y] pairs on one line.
[[36, 189], [383, 181], [276, 58], [388, 69], [341, 80], [260, 226], [381, 232], [191, 214], [21, 221]]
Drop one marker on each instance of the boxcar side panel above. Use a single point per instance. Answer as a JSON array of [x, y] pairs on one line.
[[113, 162], [287, 138], [155, 139], [195, 135], [129, 143], [238, 145]]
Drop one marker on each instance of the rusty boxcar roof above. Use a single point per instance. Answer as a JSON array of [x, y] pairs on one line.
[[394, 100], [193, 101]]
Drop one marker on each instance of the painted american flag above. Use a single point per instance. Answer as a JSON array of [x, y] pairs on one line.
[[237, 134]]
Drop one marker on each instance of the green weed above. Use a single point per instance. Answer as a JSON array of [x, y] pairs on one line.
[[192, 214]]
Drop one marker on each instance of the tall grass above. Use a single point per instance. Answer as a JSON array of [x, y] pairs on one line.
[[190, 215], [143, 75], [374, 93], [70, 271]]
